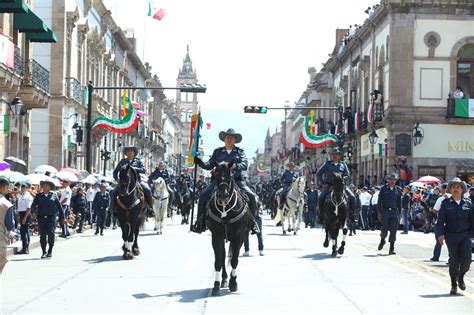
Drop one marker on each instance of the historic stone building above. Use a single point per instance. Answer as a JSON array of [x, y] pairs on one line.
[[24, 77]]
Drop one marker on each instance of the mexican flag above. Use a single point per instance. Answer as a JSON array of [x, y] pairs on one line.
[[464, 108]]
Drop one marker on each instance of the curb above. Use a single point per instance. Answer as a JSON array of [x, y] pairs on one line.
[[12, 249]]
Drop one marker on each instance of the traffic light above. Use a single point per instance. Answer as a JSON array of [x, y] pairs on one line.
[[105, 155], [192, 88], [256, 109]]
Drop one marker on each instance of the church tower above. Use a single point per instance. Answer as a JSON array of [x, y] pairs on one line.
[[186, 102]]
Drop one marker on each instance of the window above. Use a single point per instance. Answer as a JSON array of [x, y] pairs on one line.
[[465, 70]]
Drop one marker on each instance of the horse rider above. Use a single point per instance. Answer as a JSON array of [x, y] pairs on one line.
[[186, 177], [46, 207], [389, 206], [136, 163], [228, 153], [325, 176], [455, 225], [160, 171], [287, 178]]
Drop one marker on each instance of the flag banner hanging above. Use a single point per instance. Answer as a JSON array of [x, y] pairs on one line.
[[311, 141], [161, 13], [196, 125], [125, 125], [464, 108], [188, 167], [262, 169], [357, 120], [370, 113]]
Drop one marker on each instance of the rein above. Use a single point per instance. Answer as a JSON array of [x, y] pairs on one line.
[[335, 203]]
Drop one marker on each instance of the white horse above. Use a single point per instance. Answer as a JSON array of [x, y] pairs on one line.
[[160, 205], [293, 207]]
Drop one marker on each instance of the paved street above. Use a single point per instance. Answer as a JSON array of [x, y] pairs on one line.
[[174, 276]]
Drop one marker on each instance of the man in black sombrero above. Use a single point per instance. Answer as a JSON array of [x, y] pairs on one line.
[[325, 177], [137, 164], [229, 152]]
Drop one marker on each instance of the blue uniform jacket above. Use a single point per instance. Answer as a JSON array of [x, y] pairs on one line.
[[390, 198], [325, 172], [47, 205], [312, 196], [159, 173], [101, 201], [288, 177], [135, 162], [220, 155], [454, 218]]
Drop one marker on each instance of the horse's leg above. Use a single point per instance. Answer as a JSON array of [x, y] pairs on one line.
[[162, 213], [157, 208], [224, 282], [127, 247], [217, 245], [282, 219], [334, 242], [340, 251], [326, 238], [135, 249], [235, 247]]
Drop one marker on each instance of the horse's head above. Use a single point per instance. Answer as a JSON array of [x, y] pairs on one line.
[[224, 176], [301, 182], [338, 182], [127, 177]]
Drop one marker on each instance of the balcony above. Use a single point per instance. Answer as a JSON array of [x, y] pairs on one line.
[[34, 89], [74, 90], [18, 67]]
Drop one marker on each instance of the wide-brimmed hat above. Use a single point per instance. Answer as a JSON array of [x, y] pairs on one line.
[[49, 182], [291, 164], [230, 132], [393, 176], [161, 163], [457, 180], [335, 151], [134, 149]]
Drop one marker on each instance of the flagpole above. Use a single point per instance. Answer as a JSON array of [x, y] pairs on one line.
[[194, 153]]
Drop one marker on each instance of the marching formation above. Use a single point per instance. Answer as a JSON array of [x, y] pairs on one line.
[[230, 205]]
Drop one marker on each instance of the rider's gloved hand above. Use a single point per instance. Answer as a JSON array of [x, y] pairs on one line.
[[198, 161]]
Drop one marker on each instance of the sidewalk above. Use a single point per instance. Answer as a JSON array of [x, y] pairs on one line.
[[12, 249]]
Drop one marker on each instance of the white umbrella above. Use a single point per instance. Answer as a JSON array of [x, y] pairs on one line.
[[418, 184], [14, 177], [45, 168], [67, 176], [89, 180]]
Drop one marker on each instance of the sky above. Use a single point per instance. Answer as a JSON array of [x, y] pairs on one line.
[[247, 52]]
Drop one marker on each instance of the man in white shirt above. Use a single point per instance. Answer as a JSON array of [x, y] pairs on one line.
[[365, 204], [90, 195], [374, 199], [436, 207], [65, 201], [24, 209]]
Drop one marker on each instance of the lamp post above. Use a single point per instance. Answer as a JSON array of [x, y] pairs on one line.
[[190, 88], [373, 140], [18, 109]]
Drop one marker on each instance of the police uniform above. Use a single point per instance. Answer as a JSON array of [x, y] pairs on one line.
[[325, 176], [137, 164], [100, 205], [237, 156], [286, 180], [456, 223], [47, 207], [312, 200], [389, 204], [157, 173]]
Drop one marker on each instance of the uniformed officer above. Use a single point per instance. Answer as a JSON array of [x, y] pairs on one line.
[[160, 171], [312, 201], [184, 176], [136, 163], [455, 224], [101, 205], [286, 179], [389, 205], [229, 152], [325, 176], [46, 207]]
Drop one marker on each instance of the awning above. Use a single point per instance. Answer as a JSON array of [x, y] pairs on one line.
[[47, 37], [13, 6], [29, 22]]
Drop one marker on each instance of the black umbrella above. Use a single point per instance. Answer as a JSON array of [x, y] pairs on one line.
[[16, 164]]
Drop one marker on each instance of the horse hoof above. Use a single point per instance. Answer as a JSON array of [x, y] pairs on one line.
[[334, 253], [216, 290], [284, 232], [155, 229], [233, 284], [326, 243], [224, 283], [340, 251], [294, 233], [127, 255], [136, 251]]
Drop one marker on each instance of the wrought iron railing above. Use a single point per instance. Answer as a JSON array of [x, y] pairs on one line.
[[18, 65], [39, 75], [74, 90]]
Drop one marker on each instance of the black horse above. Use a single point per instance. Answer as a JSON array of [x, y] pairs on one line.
[[183, 199], [228, 218], [334, 215], [130, 209]]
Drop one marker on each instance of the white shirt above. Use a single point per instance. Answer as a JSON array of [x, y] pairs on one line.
[[375, 198], [438, 202], [458, 94], [365, 198], [90, 194], [66, 194], [24, 202]]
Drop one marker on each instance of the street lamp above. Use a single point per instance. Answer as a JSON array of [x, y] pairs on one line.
[[418, 134], [373, 137], [19, 108]]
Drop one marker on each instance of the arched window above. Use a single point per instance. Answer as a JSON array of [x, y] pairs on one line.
[[465, 70]]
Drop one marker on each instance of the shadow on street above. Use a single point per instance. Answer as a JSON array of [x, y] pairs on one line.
[[321, 256], [435, 296], [186, 296], [104, 259]]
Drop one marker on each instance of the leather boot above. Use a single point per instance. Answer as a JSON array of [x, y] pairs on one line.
[[381, 244], [461, 283], [200, 225], [454, 286], [391, 251]]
